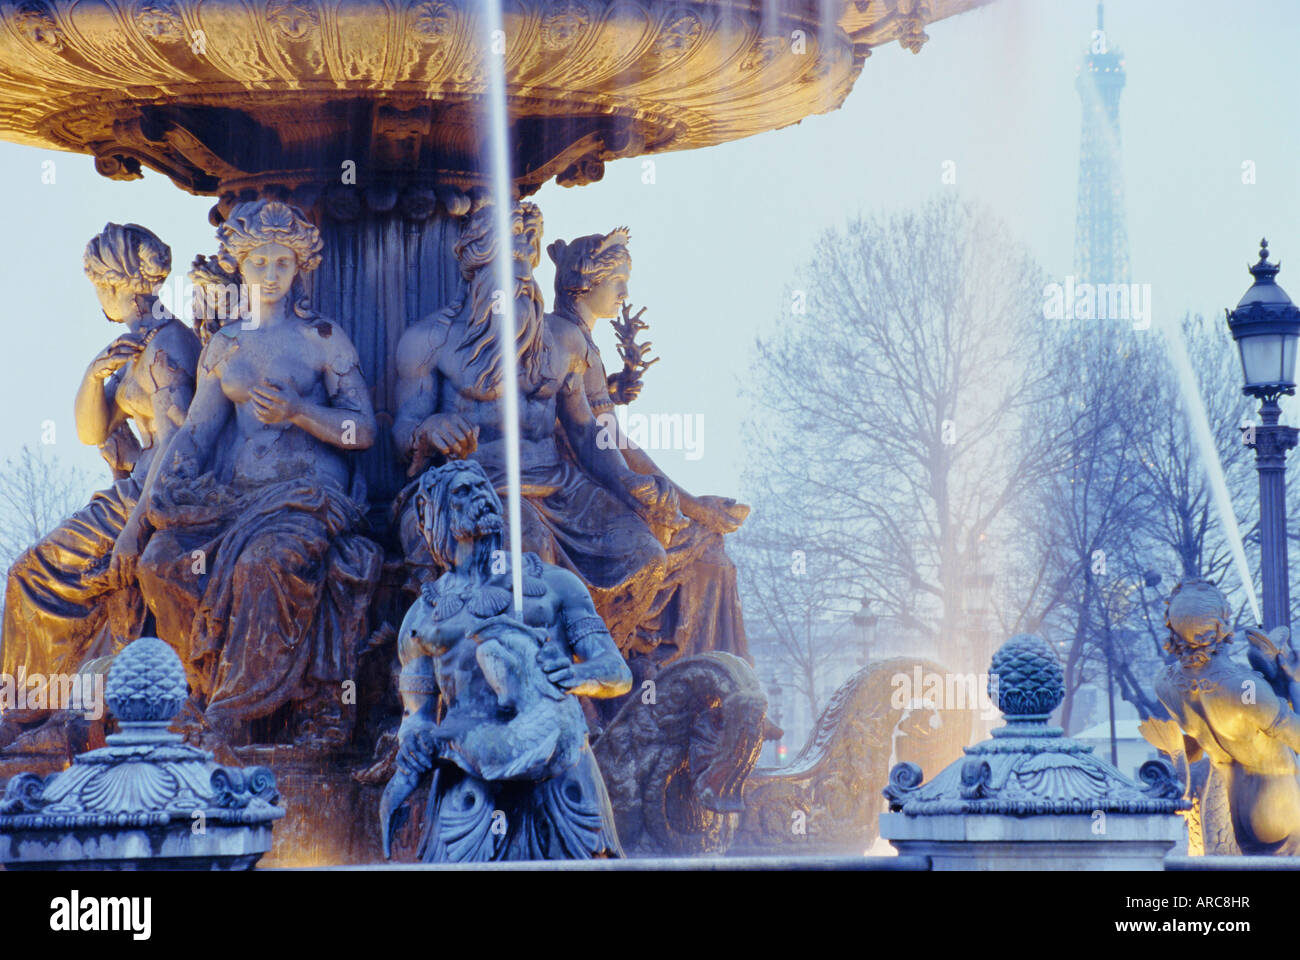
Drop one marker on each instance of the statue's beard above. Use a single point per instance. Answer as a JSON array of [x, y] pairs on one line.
[[480, 527], [480, 338]]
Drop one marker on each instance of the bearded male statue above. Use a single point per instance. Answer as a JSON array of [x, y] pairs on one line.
[[583, 507], [490, 693]]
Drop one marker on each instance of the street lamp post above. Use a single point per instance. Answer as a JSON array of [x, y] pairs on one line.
[[864, 621], [1266, 326]]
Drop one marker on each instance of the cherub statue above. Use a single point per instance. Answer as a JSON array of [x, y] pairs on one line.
[[513, 775], [1233, 715], [71, 597]]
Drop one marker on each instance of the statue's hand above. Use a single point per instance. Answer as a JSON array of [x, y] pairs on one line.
[[275, 402], [558, 666], [417, 747], [448, 433], [624, 386], [126, 553], [719, 514], [116, 355]]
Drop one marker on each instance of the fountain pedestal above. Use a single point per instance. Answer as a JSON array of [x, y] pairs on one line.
[[146, 801], [1030, 798]]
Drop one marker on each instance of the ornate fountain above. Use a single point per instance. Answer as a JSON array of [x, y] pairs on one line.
[[351, 138], [369, 116]]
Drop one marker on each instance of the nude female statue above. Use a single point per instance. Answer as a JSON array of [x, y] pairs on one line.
[[258, 573], [71, 597], [1233, 715]]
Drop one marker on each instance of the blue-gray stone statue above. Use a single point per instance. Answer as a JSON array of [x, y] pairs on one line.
[[1239, 718], [1029, 797], [490, 699], [147, 800]]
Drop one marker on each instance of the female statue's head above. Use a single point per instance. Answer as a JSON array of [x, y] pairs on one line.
[[215, 298], [1199, 619], [593, 270], [270, 245], [127, 264]]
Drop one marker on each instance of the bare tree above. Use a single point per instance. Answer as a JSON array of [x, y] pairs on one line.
[[896, 417], [1088, 510], [793, 600], [36, 492], [1133, 508]]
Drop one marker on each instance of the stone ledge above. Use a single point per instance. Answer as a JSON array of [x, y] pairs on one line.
[[669, 864], [1181, 863]]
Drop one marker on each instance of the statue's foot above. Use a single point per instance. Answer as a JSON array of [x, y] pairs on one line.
[[321, 736], [219, 747], [199, 730], [9, 732], [49, 738], [385, 761], [322, 726]]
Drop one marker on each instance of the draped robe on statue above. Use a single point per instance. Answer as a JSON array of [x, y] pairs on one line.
[[57, 602], [697, 607], [263, 590]]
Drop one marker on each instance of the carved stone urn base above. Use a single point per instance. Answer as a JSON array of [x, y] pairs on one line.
[[146, 800], [1069, 842], [170, 847], [320, 798], [1030, 798]]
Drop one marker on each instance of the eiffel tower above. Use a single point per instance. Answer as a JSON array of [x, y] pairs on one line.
[[1100, 235]]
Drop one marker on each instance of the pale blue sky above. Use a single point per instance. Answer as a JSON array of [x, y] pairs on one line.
[[721, 232]]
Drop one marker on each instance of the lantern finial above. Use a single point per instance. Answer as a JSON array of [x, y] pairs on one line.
[[1264, 272]]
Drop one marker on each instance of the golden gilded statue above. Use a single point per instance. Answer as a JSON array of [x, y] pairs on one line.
[[1233, 715], [71, 597]]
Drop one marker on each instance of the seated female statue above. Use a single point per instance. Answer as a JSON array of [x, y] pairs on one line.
[[70, 597], [697, 606], [259, 573]]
